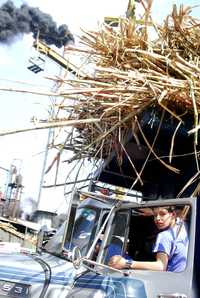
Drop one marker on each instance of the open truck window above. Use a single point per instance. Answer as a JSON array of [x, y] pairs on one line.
[[137, 235]]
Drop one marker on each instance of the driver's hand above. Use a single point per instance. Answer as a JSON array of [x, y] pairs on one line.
[[117, 262]]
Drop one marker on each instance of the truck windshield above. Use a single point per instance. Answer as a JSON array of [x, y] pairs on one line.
[[83, 230]]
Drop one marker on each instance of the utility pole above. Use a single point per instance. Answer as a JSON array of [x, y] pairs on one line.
[[72, 71]]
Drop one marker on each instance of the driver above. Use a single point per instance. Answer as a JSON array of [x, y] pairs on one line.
[[170, 247]]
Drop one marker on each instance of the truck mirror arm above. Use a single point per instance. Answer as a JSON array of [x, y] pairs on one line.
[[86, 261], [78, 261]]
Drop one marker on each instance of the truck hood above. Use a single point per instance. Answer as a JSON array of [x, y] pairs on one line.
[[39, 272], [45, 275]]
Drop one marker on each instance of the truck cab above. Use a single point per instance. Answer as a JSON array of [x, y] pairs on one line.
[[128, 226], [70, 264]]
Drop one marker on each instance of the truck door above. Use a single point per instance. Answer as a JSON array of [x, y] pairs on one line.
[[165, 284]]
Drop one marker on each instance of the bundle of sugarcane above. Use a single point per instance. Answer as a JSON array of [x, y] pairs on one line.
[[133, 71]]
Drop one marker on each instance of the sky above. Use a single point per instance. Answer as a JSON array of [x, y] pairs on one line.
[[27, 150]]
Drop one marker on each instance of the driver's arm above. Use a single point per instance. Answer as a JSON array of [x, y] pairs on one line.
[[160, 264]]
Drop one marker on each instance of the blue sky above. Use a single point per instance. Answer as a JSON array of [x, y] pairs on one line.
[[17, 109]]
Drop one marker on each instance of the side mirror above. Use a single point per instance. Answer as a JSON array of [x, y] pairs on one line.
[[40, 238]]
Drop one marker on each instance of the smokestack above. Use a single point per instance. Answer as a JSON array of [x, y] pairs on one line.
[[15, 21]]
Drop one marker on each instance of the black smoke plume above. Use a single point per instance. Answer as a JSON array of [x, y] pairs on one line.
[[15, 21]]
